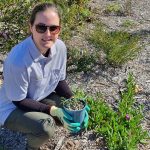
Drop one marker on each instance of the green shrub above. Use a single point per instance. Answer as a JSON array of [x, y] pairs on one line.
[[119, 46], [113, 9], [14, 21], [118, 10], [81, 60], [73, 16], [128, 23]]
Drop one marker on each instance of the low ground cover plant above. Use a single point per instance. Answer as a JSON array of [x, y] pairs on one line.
[[120, 127]]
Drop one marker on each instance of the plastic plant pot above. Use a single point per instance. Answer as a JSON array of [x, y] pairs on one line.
[[78, 115]]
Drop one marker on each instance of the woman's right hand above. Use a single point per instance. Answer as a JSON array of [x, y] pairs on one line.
[[65, 119]]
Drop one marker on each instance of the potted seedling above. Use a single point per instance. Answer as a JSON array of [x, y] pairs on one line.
[[76, 108]]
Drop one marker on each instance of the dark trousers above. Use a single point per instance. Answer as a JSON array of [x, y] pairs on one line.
[[38, 126]]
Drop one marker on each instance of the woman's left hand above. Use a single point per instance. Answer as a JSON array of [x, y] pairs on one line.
[[86, 118]]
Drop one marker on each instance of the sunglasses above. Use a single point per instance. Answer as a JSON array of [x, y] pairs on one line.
[[42, 28]]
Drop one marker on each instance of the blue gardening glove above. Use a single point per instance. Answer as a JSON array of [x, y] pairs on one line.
[[65, 119], [86, 118]]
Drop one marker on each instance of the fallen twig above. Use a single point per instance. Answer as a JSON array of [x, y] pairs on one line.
[[59, 144]]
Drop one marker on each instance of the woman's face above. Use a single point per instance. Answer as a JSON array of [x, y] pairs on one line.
[[42, 36]]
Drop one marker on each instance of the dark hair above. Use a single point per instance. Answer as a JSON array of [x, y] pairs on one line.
[[43, 7]]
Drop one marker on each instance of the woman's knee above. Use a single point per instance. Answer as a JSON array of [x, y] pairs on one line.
[[44, 130], [48, 127]]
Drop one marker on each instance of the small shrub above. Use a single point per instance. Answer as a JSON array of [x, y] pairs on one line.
[[81, 60], [119, 46], [128, 23], [72, 17], [79, 93], [73, 104], [113, 9]]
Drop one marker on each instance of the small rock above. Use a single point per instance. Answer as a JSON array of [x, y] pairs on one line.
[[77, 144], [138, 89], [69, 145], [97, 141]]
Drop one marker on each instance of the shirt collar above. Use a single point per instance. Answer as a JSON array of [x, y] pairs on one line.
[[35, 53]]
